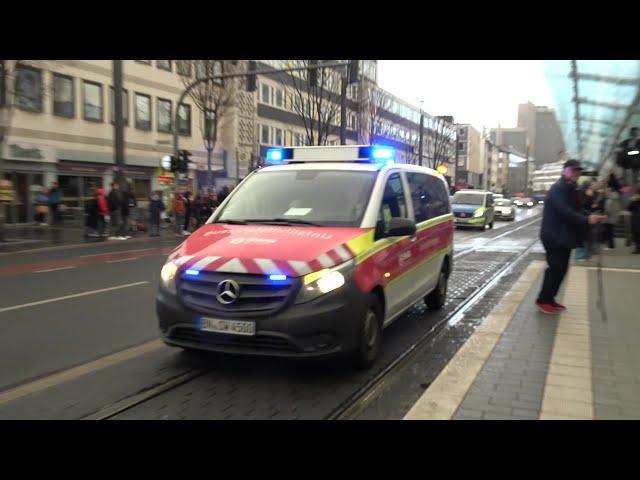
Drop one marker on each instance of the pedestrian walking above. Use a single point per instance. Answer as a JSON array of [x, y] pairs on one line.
[[634, 208], [103, 211], [179, 211], [116, 201], [224, 193], [612, 211], [55, 197], [156, 207], [563, 224]]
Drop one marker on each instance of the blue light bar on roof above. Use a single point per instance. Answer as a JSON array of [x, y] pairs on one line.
[[279, 155], [378, 154], [277, 277]]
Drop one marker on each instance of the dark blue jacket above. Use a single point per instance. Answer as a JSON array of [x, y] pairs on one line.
[[563, 224]]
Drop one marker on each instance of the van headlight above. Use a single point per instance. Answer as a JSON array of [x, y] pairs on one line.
[[318, 283], [168, 275], [478, 213]]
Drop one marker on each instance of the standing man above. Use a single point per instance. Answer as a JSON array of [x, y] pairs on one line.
[[563, 225]]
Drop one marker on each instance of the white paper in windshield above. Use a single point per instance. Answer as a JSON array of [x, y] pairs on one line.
[[298, 211]]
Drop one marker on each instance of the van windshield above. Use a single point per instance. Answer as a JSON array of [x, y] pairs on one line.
[[468, 199], [336, 198]]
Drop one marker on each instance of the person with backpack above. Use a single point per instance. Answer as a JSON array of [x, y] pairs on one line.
[[55, 197], [179, 210]]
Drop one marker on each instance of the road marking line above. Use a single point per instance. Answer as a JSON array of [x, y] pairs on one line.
[[123, 260], [54, 269], [76, 372], [67, 297]]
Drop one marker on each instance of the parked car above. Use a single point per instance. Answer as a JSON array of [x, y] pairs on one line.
[[504, 209]]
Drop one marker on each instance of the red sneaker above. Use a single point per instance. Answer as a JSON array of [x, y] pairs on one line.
[[557, 306], [547, 308]]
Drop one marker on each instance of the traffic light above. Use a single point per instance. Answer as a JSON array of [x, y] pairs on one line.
[[251, 79], [183, 161], [174, 164], [354, 71], [313, 72]]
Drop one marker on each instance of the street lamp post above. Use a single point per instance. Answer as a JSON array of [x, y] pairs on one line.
[[420, 144]]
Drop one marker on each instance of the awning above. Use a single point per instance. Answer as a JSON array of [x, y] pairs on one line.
[[596, 102]]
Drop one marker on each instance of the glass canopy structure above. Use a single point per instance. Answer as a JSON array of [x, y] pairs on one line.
[[596, 101]]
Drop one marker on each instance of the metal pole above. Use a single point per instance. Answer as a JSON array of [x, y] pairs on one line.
[[343, 108], [118, 124], [455, 169]]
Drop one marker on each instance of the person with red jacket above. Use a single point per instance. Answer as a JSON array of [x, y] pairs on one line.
[[103, 211]]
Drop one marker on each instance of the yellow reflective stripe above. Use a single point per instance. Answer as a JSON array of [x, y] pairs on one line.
[[313, 276], [431, 257], [432, 222]]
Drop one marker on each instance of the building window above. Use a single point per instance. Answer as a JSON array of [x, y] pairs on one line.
[[279, 98], [164, 64], [164, 115], [278, 136], [92, 101], [264, 134], [63, 101], [184, 119], [183, 67], [143, 111], [201, 70], [125, 106], [29, 89], [265, 93]]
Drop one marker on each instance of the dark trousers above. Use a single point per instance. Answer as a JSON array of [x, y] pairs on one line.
[[558, 261], [636, 236], [609, 232]]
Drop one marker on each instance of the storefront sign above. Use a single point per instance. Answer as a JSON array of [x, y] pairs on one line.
[[28, 152]]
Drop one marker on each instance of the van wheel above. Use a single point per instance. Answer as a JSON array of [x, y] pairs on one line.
[[369, 335], [435, 300], [491, 225]]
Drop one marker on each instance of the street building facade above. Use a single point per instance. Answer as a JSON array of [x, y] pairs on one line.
[[546, 143]]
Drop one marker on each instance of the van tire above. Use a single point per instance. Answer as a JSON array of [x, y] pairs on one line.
[[369, 335], [438, 296]]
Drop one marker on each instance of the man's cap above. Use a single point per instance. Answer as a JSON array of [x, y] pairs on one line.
[[575, 164]]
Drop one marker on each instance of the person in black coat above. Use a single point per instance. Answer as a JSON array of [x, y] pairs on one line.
[[563, 227], [156, 207]]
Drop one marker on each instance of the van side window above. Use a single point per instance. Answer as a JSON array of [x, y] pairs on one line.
[[393, 204], [428, 195]]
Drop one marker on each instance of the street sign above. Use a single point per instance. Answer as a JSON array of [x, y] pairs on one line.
[[165, 162]]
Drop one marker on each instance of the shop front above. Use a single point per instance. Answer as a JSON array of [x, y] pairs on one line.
[[30, 168]]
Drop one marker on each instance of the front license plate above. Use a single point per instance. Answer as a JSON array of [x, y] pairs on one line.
[[232, 327]]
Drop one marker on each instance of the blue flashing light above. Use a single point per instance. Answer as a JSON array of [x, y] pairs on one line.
[[192, 272], [382, 153], [274, 155], [277, 277], [279, 155]]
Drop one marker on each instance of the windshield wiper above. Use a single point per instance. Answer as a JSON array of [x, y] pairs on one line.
[[232, 222], [286, 221]]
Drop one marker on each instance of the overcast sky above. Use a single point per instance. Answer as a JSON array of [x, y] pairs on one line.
[[479, 92]]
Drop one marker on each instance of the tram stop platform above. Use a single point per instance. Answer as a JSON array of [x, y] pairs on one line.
[[582, 364]]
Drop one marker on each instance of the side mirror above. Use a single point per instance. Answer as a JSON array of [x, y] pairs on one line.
[[399, 227]]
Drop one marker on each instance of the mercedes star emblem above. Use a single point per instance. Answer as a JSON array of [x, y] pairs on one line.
[[228, 291]]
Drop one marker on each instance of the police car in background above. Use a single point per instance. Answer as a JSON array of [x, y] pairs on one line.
[[311, 256]]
